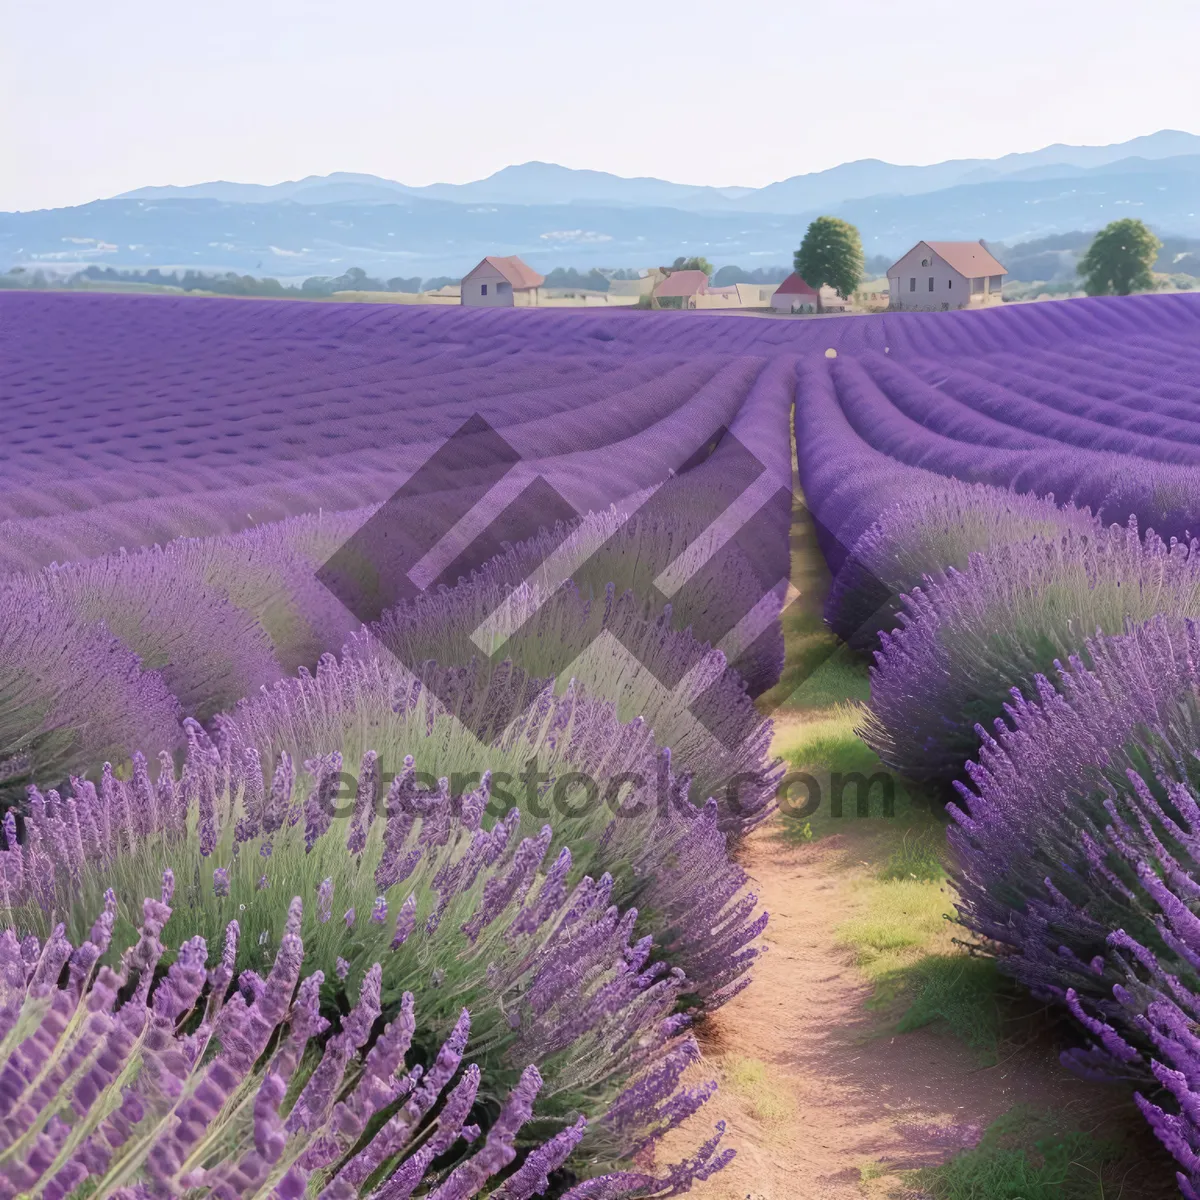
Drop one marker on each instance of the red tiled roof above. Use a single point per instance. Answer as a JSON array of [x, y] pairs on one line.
[[969, 259], [514, 270], [682, 283], [793, 285]]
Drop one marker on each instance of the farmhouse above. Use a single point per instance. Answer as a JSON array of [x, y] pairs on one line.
[[939, 276], [684, 286], [502, 283]]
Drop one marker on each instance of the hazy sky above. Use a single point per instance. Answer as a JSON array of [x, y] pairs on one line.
[[100, 97]]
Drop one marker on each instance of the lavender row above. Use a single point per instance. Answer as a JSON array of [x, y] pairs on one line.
[[422, 895], [593, 457], [213, 620], [1076, 847], [845, 481], [934, 529], [1118, 390], [235, 1083], [616, 799], [970, 640], [1058, 414], [1164, 497]]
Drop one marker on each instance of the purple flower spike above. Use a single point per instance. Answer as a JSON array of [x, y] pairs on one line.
[[221, 882], [318, 809], [406, 921], [325, 900]]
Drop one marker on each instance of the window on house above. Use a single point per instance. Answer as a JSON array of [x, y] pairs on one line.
[[931, 283], [912, 285], [483, 289], [949, 283]]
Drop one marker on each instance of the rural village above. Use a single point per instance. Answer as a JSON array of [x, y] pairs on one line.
[[931, 277]]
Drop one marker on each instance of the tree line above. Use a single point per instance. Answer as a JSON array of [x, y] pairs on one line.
[[1120, 259], [227, 283]]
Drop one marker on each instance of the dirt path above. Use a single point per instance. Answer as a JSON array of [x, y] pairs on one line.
[[818, 1096], [822, 1099]]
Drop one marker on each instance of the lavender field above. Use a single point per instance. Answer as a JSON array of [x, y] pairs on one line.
[[386, 704]]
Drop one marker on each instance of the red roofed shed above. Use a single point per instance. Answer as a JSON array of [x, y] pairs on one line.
[[794, 295]]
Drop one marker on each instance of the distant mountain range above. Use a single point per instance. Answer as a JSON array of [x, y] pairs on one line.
[[548, 183], [553, 215]]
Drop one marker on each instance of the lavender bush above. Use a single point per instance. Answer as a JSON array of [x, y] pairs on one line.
[[269, 573], [967, 639], [1075, 852], [1050, 779], [935, 528], [71, 694], [134, 1082], [634, 821], [420, 899], [209, 652]]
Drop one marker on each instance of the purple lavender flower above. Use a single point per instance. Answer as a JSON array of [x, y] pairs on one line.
[[318, 809], [325, 900], [406, 921]]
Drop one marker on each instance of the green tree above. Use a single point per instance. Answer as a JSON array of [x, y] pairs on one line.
[[831, 255], [692, 264], [1120, 259]]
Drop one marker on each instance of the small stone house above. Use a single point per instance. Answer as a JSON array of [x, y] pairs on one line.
[[502, 283], [940, 276]]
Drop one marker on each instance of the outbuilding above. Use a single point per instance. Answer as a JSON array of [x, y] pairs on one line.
[[502, 283], [793, 295]]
